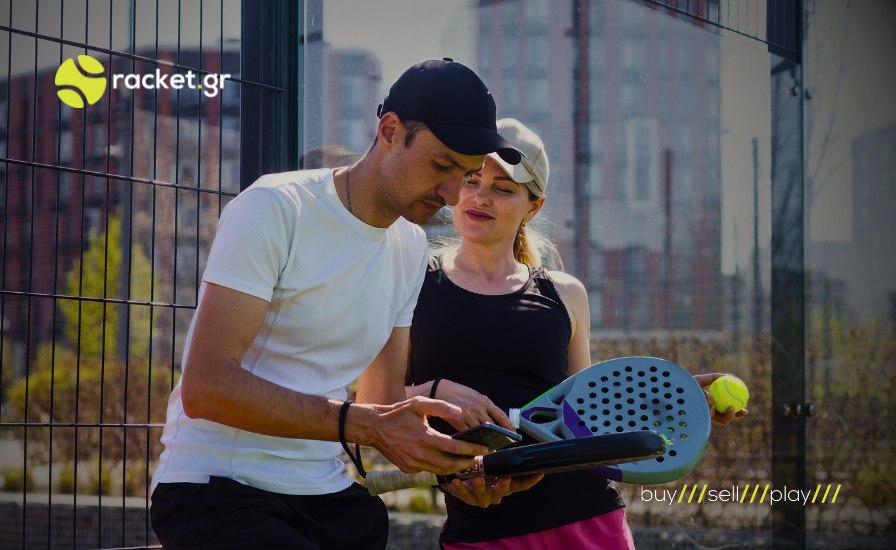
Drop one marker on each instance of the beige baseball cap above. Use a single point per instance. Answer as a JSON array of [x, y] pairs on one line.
[[533, 169]]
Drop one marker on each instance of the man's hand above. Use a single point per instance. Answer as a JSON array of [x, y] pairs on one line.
[[486, 491], [720, 418], [402, 434]]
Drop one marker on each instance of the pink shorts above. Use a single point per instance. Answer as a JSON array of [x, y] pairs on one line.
[[604, 532]]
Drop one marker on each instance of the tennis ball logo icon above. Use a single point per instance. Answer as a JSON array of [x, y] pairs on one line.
[[80, 83]]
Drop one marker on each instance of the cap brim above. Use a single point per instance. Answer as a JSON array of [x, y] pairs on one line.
[[475, 140], [517, 172]]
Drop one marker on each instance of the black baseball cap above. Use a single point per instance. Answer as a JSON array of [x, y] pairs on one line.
[[454, 104]]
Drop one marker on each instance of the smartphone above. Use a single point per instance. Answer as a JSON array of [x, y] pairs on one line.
[[489, 435]]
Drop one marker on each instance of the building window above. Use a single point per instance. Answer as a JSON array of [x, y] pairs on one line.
[[65, 147], [642, 162]]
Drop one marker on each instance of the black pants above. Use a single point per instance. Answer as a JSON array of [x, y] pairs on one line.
[[225, 514]]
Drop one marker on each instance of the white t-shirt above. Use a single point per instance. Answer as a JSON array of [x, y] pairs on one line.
[[336, 288]]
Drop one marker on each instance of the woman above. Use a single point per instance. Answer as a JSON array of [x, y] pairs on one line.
[[491, 319]]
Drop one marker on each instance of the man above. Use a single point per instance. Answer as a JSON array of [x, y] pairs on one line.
[[311, 281]]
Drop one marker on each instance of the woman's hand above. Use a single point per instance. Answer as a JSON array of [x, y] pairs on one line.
[[476, 407], [486, 491], [720, 418]]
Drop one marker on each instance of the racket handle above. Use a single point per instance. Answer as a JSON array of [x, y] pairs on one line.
[[383, 481]]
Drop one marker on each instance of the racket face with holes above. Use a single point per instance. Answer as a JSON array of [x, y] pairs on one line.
[[622, 395]]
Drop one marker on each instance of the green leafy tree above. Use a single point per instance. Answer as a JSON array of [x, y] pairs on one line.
[[86, 378], [93, 326], [7, 364]]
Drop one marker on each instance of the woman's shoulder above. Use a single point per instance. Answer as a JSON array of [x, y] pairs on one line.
[[571, 291], [566, 284]]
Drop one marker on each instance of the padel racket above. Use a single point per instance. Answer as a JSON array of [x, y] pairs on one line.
[[621, 395], [550, 457]]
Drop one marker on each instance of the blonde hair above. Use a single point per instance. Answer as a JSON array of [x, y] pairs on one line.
[[534, 249]]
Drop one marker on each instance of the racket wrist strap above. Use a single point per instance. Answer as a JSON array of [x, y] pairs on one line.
[[514, 416], [356, 456]]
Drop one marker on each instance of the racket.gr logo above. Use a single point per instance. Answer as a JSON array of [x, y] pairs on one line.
[[81, 83]]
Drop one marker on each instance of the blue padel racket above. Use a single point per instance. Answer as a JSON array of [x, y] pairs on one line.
[[550, 457], [622, 395]]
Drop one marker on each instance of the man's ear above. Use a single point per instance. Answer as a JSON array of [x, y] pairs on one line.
[[389, 129]]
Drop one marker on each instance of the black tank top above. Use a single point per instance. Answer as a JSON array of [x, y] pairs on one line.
[[511, 348]]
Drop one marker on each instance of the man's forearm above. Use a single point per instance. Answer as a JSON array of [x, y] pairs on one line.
[[230, 395]]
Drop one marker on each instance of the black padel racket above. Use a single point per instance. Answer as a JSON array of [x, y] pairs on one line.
[[622, 395], [551, 457]]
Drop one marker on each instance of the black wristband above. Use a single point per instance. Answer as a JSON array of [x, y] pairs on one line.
[[356, 457], [432, 390]]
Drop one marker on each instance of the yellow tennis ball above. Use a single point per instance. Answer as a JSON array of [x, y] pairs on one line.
[[729, 391]]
